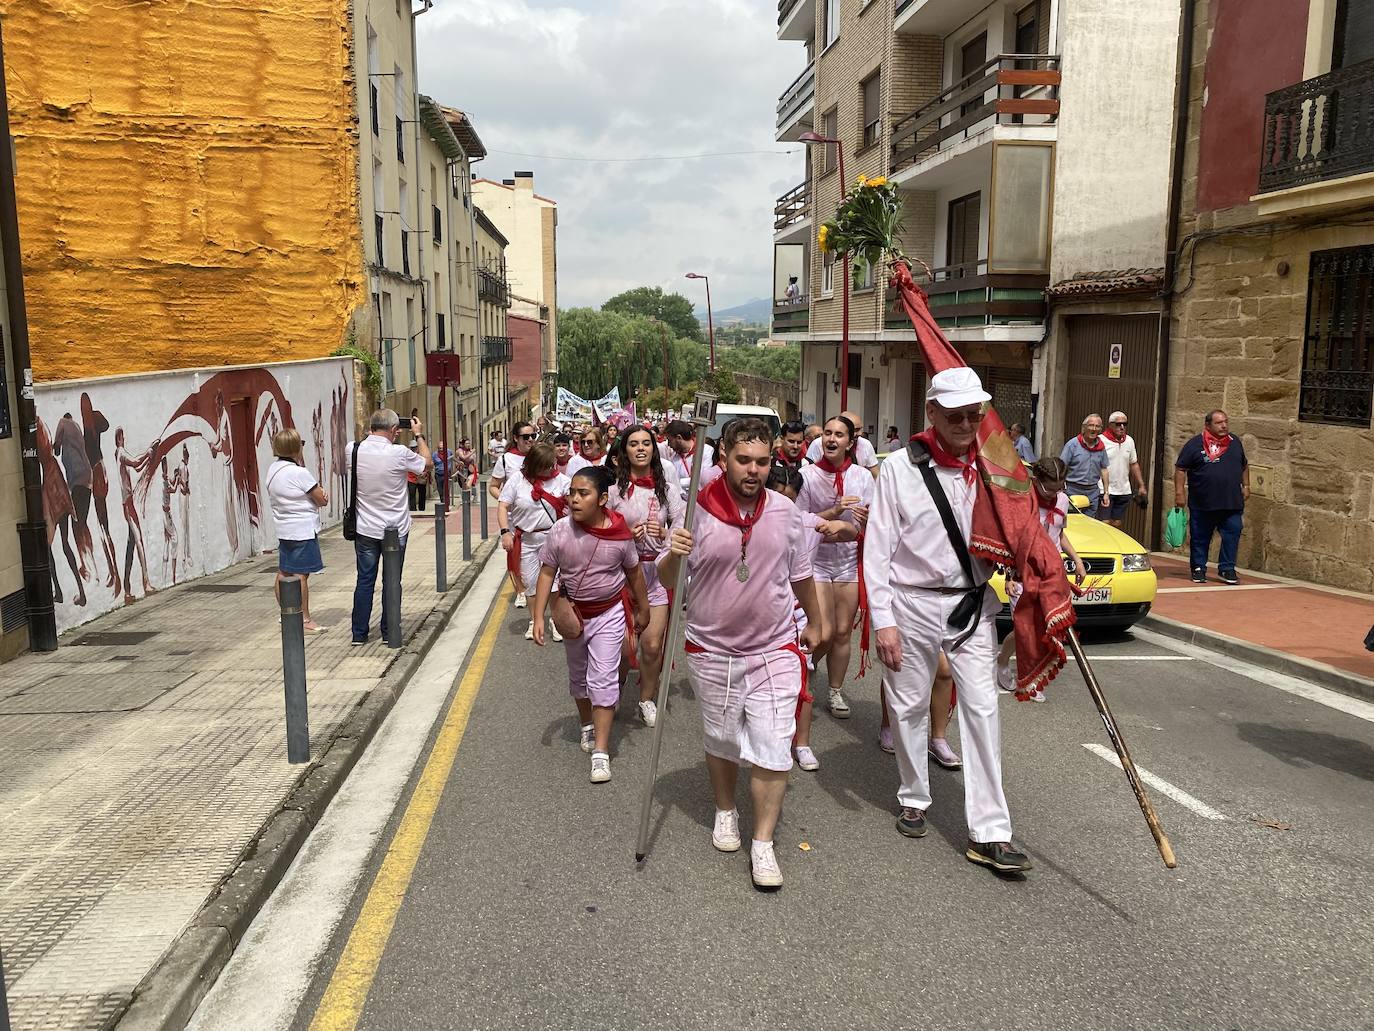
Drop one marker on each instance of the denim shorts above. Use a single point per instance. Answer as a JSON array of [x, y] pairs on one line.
[[299, 557]]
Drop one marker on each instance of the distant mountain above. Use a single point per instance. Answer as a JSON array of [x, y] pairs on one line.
[[757, 311]]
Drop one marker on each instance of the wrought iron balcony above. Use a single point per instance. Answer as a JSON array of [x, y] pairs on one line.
[[999, 90], [969, 295], [797, 97], [1321, 128], [792, 316], [495, 351], [492, 286], [792, 206]]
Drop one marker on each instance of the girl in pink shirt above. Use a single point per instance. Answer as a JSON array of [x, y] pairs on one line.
[[594, 556], [651, 508]]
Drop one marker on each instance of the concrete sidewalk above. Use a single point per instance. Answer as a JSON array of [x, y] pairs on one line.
[[146, 805], [1305, 630]]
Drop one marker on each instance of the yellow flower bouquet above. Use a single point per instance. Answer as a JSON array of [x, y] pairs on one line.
[[867, 224]]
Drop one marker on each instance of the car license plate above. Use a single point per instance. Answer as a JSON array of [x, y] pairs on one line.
[[1094, 596]]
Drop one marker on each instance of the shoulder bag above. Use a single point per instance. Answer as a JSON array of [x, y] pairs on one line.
[[969, 612], [350, 514]]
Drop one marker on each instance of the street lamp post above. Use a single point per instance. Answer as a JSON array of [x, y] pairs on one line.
[[812, 137], [663, 334], [710, 321]]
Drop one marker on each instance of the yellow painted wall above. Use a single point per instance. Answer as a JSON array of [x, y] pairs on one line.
[[187, 181]]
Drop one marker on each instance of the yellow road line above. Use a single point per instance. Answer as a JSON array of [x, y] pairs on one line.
[[343, 1001]]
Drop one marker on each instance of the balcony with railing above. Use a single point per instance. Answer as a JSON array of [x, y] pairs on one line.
[[493, 287], [792, 316], [1319, 129], [796, 107], [968, 295], [792, 214], [495, 351], [797, 19], [1020, 90]]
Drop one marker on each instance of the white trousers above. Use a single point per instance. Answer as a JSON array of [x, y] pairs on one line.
[[921, 621]]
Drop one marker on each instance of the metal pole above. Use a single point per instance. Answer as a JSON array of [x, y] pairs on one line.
[[1166, 851], [467, 525], [293, 671], [391, 586], [4, 1006], [710, 324], [440, 547], [482, 509], [844, 303], [443, 438], [35, 558], [676, 628]]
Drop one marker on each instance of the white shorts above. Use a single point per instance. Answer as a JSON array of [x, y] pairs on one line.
[[530, 544], [748, 705], [658, 594], [836, 563]]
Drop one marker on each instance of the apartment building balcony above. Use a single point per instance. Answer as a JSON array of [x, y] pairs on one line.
[[1318, 146], [969, 296], [797, 107], [1011, 98], [792, 215], [792, 316], [932, 17], [493, 287], [797, 19], [495, 351]]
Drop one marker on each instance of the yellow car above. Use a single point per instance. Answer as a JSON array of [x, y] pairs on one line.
[[1120, 586]]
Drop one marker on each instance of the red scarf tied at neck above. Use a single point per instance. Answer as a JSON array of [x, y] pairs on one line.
[[837, 471], [614, 530], [539, 493], [647, 482], [720, 501], [1096, 445], [780, 458], [945, 460], [1214, 446]]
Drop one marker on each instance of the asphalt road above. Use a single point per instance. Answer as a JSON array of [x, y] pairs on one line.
[[526, 908]]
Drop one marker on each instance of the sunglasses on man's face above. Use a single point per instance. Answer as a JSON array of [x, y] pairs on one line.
[[587, 443], [525, 436], [959, 418]]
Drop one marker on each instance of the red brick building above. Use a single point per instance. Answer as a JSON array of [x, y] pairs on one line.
[[527, 335]]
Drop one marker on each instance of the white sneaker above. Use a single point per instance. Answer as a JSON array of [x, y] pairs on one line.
[[806, 759], [520, 600], [529, 631], [648, 712], [588, 738], [1037, 695], [554, 631], [839, 708], [763, 866], [601, 767], [1005, 680], [725, 836]]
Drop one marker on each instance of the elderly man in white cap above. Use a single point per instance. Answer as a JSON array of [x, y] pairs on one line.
[[927, 594], [1124, 479]]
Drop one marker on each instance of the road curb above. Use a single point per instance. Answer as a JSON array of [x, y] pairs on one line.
[[1280, 662], [168, 995]]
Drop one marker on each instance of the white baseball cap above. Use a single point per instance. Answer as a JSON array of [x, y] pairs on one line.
[[954, 388]]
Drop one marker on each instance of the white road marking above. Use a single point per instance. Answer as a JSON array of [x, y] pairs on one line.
[[1141, 658], [1159, 784], [1228, 588], [1356, 707], [272, 969]]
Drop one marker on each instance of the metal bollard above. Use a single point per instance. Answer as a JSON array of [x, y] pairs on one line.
[[4, 1006], [467, 525], [293, 671], [391, 586], [440, 547], [482, 493]]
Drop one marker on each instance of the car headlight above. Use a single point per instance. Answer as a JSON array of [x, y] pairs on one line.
[[1135, 563]]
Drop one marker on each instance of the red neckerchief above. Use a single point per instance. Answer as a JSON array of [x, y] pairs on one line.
[[1215, 447], [780, 458], [945, 460], [1119, 440], [615, 530], [1096, 445], [718, 499], [563, 465], [537, 491], [515, 451], [836, 471], [647, 482]]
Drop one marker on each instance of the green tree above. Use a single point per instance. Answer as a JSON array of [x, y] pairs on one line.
[[651, 301], [598, 350], [781, 363]]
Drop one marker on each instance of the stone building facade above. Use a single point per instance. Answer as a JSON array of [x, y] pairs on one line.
[[1273, 300]]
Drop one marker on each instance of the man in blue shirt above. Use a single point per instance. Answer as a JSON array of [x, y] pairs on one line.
[[1213, 478], [1086, 458], [1022, 443]]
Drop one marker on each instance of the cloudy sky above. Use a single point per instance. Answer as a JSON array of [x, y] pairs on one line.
[[621, 79]]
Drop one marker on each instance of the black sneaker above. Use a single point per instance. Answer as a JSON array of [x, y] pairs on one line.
[[999, 855], [1228, 576], [912, 822], [1199, 576]]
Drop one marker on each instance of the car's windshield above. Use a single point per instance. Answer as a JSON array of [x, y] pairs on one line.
[[722, 417]]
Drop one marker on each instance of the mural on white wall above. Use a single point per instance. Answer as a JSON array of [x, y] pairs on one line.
[[154, 479]]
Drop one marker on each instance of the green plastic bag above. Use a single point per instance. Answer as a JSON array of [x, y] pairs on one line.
[[1175, 527]]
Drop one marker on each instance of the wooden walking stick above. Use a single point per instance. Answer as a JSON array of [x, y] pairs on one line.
[[703, 415], [1166, 850]]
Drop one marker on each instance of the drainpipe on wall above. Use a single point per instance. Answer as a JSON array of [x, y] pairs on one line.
[[1182, 106], [421, 219], [33, 531]]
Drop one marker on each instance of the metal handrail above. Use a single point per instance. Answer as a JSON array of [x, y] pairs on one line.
[[1320, 128], [791, 207], [798, 88]]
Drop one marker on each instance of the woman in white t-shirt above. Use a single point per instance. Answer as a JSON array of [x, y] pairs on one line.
[[296, 498]]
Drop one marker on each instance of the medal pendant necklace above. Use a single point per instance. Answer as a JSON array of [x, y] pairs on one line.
[[742, 570]]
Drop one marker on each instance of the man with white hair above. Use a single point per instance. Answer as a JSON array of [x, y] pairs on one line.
[[1124, 479], [927, 594], [1085, 456]]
